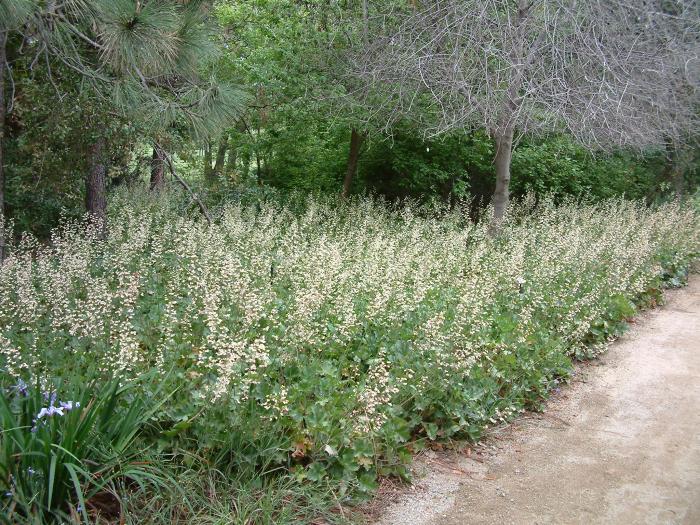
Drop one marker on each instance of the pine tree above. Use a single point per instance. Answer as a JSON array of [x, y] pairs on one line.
[[142, 62]]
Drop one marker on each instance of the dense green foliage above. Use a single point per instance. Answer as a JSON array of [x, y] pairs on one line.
[[326, 341]]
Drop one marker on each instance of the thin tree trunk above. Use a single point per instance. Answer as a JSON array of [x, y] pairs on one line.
[[503, 134], [678, 176], [356, 140], [680, 158], [207, 162], [220, 158], [504, 151], [245, 164], [3, 64], [96, 182], [258, 168], [231, 162], [157, 169]]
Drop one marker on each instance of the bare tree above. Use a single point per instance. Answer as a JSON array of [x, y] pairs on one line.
[[609, 72]]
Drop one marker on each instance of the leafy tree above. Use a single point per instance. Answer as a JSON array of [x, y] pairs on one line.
[[295, 55]]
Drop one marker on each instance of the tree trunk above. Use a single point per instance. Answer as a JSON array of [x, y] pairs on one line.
[[678, 178], [220, 158], [356, 140], [157, 169], [504, 150], [3, 65], [245, 164], [503, 134], [258, 173], [231, 162], [680, 158], [96, 182], [207, 162]]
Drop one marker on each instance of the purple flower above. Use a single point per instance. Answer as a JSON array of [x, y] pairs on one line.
[[50, 411], [22, 388], [50, 397], [79, 508], [69, 405], [64, 406]]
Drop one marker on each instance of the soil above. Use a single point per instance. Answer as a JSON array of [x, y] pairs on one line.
[[620, 444]]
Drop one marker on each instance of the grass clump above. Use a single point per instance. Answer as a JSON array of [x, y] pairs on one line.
[[307, 348]]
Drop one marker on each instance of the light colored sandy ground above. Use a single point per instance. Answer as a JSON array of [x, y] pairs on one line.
[[620, 445]]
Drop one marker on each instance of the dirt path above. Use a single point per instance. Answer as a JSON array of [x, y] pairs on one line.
[[621, 445]]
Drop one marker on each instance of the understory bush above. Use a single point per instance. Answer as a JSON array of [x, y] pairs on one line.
[[329, 341]]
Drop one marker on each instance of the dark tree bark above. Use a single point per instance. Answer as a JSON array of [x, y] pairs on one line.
[[356, 140], [220, 159], [245, 164], [3, 65], [157, 169], [96, 181], [678, 178], [231, 161]]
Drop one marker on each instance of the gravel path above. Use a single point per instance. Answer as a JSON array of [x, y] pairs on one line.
[[620, 445]]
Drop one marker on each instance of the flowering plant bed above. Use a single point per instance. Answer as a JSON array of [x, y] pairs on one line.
[[328, 340]]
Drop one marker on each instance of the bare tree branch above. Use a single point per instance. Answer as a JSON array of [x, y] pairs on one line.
[[184, 184], [609, 72]]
